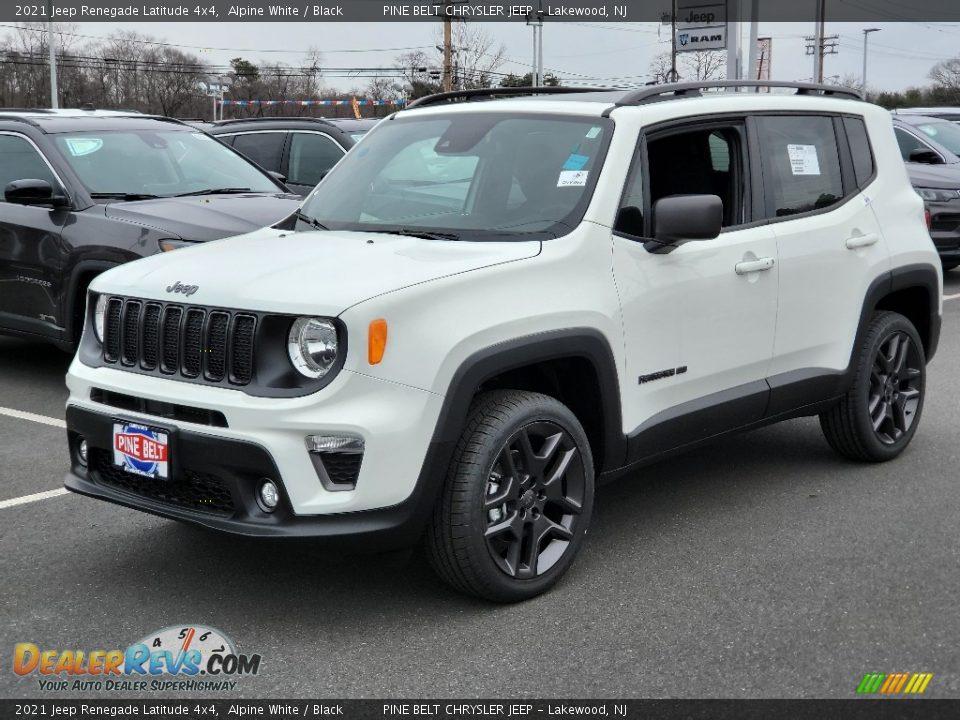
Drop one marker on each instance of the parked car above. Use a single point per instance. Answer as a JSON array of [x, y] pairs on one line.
[[495, 305], [944, 113], [931, 149], [85, 191], [356, 127], [300, 150]]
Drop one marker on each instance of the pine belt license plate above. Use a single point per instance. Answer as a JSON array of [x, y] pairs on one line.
[[141, 450]]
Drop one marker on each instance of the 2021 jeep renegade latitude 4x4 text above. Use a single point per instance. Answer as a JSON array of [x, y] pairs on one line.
[[489, 307]]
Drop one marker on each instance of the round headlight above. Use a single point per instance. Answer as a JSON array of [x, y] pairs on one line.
[[312, 346], [99, 317]]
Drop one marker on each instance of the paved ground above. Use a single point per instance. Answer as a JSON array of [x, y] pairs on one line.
[[765, 567]]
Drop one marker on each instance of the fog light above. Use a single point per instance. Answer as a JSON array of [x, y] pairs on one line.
[[269, 496], [82, 451], [334, 444]]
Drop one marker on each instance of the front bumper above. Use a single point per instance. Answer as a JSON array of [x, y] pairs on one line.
[[216, 470]]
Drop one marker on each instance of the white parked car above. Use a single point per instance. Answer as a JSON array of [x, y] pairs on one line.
[[490, 307]]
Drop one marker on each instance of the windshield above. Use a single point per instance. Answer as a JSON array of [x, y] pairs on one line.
[[357, 134], [945, 133], [471, 176], [163, 163]]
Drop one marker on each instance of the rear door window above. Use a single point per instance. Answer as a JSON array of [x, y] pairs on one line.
[[264, 148], [801, 163], [311, 157]]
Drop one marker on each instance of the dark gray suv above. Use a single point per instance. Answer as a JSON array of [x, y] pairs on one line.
[[84, 191], [931, 148]]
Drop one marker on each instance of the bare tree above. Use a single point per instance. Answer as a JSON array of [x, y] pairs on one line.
[[476, 56], [660, 68], [946, 75], [701, 65]]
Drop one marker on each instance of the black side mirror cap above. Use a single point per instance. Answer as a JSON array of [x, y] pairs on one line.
[[678, 219], [32, 192], [925, 156]]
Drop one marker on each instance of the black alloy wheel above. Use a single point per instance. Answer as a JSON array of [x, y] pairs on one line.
[[896, 384], [534, 499]]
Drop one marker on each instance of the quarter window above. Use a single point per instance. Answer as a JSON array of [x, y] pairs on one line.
[[860, 149], [802, 163], [908, 143]]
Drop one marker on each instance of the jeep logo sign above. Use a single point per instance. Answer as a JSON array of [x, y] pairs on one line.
[[187, 290], [701, 25]]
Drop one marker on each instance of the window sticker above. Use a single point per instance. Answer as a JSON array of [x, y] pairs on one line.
[[576, 162], [803, 159], [594, 132], [572, 178], [83, 146]]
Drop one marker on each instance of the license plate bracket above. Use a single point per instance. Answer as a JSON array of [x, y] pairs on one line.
[[141, 449]]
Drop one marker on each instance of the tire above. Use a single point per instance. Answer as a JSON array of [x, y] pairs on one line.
[[949, 265], [522, 471], [878, 416]]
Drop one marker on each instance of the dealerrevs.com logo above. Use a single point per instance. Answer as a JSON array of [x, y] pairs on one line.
[[184, 658]]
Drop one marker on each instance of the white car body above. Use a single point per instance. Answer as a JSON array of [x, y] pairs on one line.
[[717, 334]]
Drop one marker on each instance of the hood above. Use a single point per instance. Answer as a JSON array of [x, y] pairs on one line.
[[935, 176], [206, 218], [317, 272]]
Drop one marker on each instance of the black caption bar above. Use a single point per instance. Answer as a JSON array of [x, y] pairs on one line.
[[474, 10], [852, 709]]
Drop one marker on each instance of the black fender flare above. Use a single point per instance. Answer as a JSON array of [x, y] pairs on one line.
[[486, 364], [919, 275]]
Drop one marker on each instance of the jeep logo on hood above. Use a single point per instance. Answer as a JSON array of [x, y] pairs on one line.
[[187, 290]]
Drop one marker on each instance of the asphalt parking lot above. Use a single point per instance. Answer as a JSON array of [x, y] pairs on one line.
[[762, 567]]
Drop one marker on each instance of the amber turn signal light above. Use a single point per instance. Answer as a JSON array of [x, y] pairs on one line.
[[376, 341]]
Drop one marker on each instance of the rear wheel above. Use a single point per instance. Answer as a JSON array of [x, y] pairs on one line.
[[879, 415], [517, 499]]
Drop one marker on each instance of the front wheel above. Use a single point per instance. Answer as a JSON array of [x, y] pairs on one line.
[[517, 500], [879, 415]]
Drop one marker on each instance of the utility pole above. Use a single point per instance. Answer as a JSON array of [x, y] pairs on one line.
[[447, 47], [820, 27], [535, 21], [866, 34], [54, 94], [754, 48], [673, 43]]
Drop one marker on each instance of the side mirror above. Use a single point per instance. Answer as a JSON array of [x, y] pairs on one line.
[[925, 156], [32, 192], [681, 218]]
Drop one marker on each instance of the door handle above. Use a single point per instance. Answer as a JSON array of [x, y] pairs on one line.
[[758, 265], [862, 241]]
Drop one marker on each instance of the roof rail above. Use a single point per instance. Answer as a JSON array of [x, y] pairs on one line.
[[672, 91], [282, 118], [493, 93]]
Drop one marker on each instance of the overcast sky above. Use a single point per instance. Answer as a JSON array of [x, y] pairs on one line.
[[901, 54]]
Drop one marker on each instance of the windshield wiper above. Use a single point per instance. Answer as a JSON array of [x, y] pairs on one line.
[[311, 221], [123, 196], [425, 234], [215, 191]]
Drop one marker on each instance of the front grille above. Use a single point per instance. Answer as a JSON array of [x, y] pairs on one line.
[[197, 491], [213, 346]]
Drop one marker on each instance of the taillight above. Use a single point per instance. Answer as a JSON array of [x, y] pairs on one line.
[[929, 218]]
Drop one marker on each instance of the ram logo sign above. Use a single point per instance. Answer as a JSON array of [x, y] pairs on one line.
[[701, 39]]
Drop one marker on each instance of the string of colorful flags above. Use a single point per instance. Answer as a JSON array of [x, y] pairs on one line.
[[312, 103]]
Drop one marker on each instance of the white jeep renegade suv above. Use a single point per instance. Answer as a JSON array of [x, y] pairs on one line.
[[487, 308]]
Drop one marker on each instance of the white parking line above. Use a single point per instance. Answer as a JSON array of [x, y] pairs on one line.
[[33, 498], [42, 419], [951, 297]]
